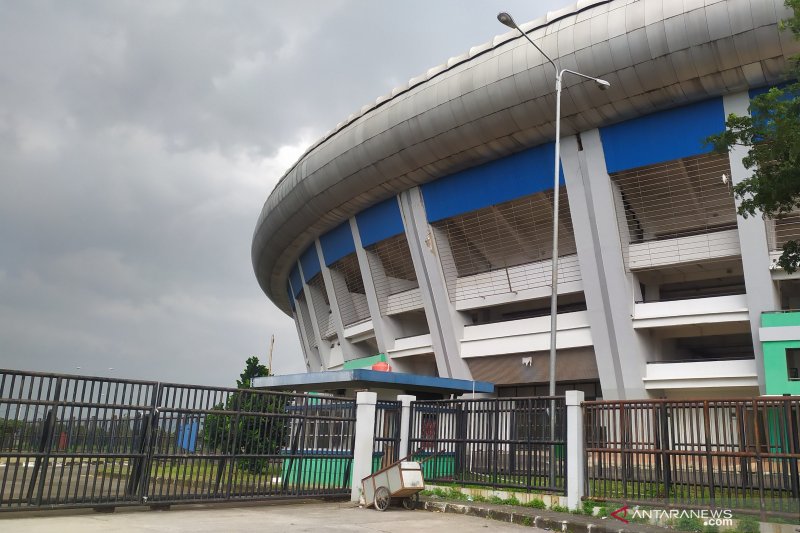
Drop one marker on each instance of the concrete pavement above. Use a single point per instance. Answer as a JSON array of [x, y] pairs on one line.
[[271, 517]]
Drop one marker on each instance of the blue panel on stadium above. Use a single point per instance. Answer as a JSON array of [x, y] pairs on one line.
[[337, 243], [295, 281], [662, 136], [380, 222], [290, 295], [310, 263], [498, 181]]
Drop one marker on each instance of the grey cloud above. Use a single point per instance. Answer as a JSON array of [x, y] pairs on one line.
[[138, 141]]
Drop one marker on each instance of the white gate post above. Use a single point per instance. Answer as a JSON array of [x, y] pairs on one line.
[[575, 446], [364, 441], [405, 417]]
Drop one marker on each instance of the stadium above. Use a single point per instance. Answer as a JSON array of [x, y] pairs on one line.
[[418, 232]]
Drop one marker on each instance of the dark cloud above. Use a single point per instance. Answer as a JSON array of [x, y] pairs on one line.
[[138, 141]]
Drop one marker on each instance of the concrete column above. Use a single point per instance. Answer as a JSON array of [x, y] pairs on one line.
[[445, 323], [762, 294], [385, 332], [576, 457], [322, 346], [609, 288], [349, 350], [405, 423], [364, 441]]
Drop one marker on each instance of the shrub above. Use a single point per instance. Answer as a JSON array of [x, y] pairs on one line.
[[559, 508]]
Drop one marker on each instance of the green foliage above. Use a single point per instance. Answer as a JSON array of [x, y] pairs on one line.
[[689, 523], [711, 529], [748, 525], [536, 503], [512, 501], [453, 493], [772, 136], [588, 507], [527, 521], [497, 500], [248, 432], [559, 508]]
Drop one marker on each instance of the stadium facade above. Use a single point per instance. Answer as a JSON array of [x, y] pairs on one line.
[[419, 230]]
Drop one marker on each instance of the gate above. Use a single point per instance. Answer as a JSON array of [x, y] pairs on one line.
[[496, 442], [73, 441]]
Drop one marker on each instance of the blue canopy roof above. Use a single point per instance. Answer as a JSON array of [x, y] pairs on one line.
[[363, 378]]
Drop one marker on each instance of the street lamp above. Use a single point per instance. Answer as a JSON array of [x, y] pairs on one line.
[[508, 20]]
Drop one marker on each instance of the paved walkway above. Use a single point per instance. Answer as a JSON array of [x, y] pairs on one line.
[[272, 517]]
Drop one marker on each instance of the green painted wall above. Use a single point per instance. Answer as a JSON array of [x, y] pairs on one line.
[[364, 362], [320, 472], [773, 320], [776, 375]]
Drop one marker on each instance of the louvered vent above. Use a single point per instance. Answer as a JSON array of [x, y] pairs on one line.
[[322, 307], [782, 230], [305, 317], [393, 275], [506, 247], [678, 211], [349, 289]]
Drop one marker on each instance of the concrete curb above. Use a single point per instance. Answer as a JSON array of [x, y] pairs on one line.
[[538, 518]]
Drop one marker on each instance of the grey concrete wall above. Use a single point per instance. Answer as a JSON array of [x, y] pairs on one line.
[[445, 323], [608, 286], [762, 293]]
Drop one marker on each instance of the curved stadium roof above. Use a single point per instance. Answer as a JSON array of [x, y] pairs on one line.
[[498, 99]]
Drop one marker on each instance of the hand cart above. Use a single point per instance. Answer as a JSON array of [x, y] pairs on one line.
[[402, 479]]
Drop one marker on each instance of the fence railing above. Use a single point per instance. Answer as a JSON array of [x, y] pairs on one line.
[[725, 454], [70, 441], [496, 442]]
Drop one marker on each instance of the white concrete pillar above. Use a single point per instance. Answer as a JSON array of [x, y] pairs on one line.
[[405, 422], [364, 441], [575, 445]]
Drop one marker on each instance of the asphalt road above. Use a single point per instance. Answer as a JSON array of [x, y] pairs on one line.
[[274, 517]]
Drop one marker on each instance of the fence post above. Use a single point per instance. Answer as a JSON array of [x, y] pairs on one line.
[[575, 447], [405, 423], [364, 441]]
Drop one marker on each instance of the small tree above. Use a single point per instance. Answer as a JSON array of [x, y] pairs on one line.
[[772, 135], [249, 433]]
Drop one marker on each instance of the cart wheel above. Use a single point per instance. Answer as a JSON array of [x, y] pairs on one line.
[[382, 499], [411, 502]]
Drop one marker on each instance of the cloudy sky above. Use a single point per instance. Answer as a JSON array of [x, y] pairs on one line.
[[138, 142]]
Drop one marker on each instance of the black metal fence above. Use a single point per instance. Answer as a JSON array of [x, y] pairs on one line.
[[496, 442], [70, 441], [725, 454], [387, 434]]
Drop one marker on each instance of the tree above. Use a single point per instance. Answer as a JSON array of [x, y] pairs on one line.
[[772, 134], [246, 431]]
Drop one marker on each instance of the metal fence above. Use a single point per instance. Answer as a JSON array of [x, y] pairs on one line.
[[71, 441], [386, 446], [496, 442], [725, 454]]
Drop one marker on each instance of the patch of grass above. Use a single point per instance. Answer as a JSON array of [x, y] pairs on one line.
[[527, 521], [512, 501], [559, 508], [689, 523], [535, 503], [588, 507], [748, 524]]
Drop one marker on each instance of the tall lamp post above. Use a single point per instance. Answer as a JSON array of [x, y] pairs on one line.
[[507, 20]]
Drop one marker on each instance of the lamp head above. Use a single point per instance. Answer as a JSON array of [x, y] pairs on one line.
[[603, 84], [507, 20]]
